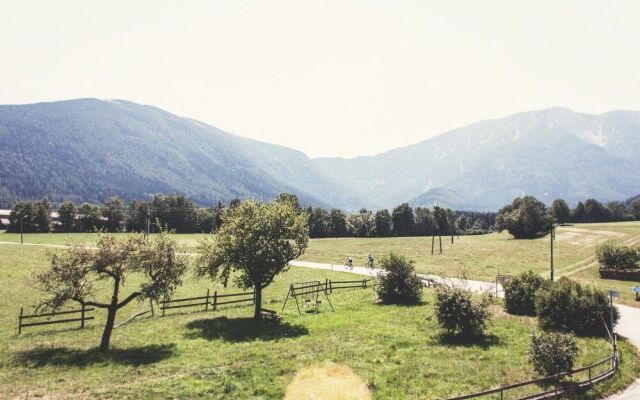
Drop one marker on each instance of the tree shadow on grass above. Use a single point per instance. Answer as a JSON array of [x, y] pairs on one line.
[[242, 329], [62, 356], [483, 341]]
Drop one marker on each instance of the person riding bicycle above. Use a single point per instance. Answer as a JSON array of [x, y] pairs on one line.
[[370, 261], [349, 262]]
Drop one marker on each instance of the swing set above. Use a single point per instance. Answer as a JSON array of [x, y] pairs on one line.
[[310, 294]]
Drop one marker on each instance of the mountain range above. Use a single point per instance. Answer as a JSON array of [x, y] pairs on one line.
[[90, 149]]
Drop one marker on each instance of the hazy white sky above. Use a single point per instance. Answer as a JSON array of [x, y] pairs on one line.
[[326, 77]]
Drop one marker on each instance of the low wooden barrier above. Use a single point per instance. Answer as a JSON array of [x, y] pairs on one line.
[[214, 300], [37, 318], [559, 388], [337, 285]]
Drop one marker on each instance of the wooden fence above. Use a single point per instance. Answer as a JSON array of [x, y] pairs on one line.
[[48, 318], [214, 301], [331, 285], [592, 374]]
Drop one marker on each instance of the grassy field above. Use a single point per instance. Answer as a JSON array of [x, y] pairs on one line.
[[479, 257], [397, 351]]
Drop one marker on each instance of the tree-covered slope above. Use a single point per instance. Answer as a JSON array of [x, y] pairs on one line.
[[89, 149]]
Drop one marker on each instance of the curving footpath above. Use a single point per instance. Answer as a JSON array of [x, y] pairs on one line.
[[628, 325]]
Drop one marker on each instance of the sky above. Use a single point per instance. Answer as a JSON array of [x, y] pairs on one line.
[[329, 78]]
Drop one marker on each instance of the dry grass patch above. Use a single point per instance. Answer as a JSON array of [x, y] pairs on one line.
[[328, 381]]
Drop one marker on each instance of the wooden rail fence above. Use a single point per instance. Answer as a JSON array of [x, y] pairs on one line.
[[214, 300], [48, 318], [559, 388]]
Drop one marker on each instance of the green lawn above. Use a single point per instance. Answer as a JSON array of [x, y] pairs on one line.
[[398, 351], [479, 257]]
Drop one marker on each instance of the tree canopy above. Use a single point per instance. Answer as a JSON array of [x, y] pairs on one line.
[[525, 218], [257, 241]]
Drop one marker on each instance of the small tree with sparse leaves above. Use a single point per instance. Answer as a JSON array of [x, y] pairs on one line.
[[76, 273]]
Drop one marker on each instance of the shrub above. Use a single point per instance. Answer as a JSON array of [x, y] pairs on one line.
[[458, 313], [566, 306], [612, 255], [552, 353], [519, 293], [525, 218], [399, 282]]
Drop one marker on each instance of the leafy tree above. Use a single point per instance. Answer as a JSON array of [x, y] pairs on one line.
[[67, 216], [139, 212], [520, 293], [75, 274], [361, 224], [634, 208], [291, 198], [42, 216], [425, 222], [525, 218], [552, 353], [337, 223], [560, 211], [595, 211], [255, 243], [617, 211], [114, 214], [22, 217], [89, 217], [579, 213], [442, 220], [318, 222], [383, 223], [402, 218], [399, 282]]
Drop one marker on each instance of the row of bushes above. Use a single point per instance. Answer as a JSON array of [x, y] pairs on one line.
[[564, 305], [564, 309]]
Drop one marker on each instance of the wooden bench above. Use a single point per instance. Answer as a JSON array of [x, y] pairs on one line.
[[270, 315]]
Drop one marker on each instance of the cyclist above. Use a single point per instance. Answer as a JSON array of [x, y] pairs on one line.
[[370, 261], [349, 263]]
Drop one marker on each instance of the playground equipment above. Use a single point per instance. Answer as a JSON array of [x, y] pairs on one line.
[[310, 294]]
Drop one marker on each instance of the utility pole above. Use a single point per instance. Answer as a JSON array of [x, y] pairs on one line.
[[553, 236]]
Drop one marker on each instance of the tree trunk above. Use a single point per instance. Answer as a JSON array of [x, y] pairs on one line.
[[111, 317], [257, 315], [108, 328]]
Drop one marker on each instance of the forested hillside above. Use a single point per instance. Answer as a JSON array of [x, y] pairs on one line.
[[89, 149]]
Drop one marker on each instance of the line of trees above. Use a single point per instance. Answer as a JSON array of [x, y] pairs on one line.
[[594, 211], [180, 214], [401, 221]]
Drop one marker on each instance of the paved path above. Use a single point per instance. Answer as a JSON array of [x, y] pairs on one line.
[[628, 325]]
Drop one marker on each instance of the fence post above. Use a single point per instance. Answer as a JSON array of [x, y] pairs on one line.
[[206, 306], [152, 312], [330, 287], [253, 300], [215, 300], [501, 394], [163, 304], [326, 284], [82, 317], [20, 321], [364, 283], [589, 372]]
